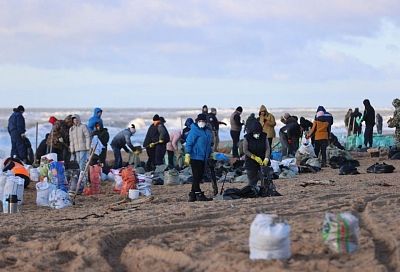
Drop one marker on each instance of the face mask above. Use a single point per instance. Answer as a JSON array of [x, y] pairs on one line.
[[202, 124], [256, 136]]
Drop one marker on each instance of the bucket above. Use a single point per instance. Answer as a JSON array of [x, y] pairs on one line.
[[133, 194]]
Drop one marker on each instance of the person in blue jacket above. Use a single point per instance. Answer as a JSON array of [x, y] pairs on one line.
[[96, 118], [198, 150], [16, 129]]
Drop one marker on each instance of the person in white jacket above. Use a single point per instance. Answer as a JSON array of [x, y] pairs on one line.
[[79, 138]]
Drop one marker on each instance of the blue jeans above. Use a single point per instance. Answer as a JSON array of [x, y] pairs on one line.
[[81, 157]]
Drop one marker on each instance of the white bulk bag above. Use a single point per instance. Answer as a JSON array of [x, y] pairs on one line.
[[269, 239]]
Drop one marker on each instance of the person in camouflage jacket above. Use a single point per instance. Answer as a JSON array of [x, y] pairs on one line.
[[394, 122]]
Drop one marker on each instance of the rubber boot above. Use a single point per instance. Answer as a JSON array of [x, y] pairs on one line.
[[192, 197], [201, 197]]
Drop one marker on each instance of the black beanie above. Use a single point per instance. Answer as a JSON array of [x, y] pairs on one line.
[[156, 118], [201, 117], [239, 109], [21, 108]]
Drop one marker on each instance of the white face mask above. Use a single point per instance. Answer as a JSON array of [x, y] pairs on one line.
[[256, 135], [202, 124]]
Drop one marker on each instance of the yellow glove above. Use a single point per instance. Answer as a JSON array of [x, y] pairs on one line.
[[151, 145], [160, 141], [187, 159], [265, 162], [257, 159]]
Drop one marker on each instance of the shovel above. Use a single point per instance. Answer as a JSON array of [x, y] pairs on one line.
[[220, 196]]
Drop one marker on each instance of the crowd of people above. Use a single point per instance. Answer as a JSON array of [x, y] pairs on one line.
[[71, 139]]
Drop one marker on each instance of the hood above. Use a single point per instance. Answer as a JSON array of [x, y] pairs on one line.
[[396, 103], [96, 111], [254, 127], [77, 117], [366, 103], [189, 122], [321, 108], [263, 108]]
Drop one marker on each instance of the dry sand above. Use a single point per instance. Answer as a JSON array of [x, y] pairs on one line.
[[169, 234]]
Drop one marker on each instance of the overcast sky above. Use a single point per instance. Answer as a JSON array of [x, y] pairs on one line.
[[192, 52]]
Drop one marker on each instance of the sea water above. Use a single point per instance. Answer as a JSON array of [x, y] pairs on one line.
[[115, 120]]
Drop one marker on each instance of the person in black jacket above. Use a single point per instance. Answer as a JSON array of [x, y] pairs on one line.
[[42, 148], [257, 150], [16, 129], [104, 137], [236, 128], [369, 119], [150, 142], [355, 126], [289, 135], [186, 130], [214, 122]]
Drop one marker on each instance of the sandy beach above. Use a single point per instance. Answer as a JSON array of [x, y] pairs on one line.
[[166, 233]]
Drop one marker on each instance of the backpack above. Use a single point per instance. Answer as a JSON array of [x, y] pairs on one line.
[[380, 168]]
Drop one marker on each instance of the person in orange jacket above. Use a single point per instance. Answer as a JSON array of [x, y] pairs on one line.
[[17, 167], [321, 132]]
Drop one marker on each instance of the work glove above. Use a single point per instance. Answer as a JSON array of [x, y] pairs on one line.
[[213, 155], [61, 140], [136, 152], [359, 120], [160, 141], [23, 135], [257, 159], [187, 159], [265, 162], [151, 145]]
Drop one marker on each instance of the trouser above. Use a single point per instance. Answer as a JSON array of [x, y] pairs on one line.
[[170, 158], [253, 175], [66, 155], [160, 151], [379, 129], [18, 147], [320, 146], [368, 135], [294, 146], [117, 157], [198, 173], [81, 157], [284, 144], [151, 154], [216, 140], [270, 145], [235, 143]]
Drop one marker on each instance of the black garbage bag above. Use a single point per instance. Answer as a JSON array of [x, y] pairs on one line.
[[378, 168]]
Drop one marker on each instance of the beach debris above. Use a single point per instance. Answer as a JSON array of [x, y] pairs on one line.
[[341, 232], [317, 182], [269, 238]]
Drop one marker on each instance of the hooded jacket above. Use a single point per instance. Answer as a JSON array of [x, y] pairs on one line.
[[252, 146], [292, 128], [369, 114], [198, 143], [54, 139], [326, 117], [123, 139], [16, 123], [79, 136], [186, 130], [95, 119], [267, 122]]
